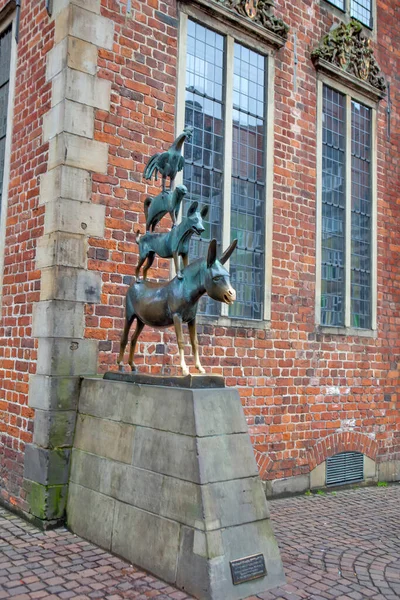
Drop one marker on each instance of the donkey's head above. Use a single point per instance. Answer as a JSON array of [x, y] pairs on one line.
[[217, 282], [194, 218]]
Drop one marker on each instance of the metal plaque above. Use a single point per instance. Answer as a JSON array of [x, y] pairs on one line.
[[248, 568]]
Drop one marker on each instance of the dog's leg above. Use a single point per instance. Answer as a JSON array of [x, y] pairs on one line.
[[150, 260]]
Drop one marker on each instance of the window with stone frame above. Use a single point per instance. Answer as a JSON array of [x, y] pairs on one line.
[[225, 103], [362, 10], [5, 59], [346, 294]]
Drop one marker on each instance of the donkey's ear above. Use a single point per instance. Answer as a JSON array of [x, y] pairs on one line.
[[204, 212], [192, 208], [212, 253], [226, 255]]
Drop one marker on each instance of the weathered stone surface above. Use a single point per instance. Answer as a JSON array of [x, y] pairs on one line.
[[70, 216], [82, 56], [46, 502], [91, 515], [226, 457], [233, 502], [66, 357], [370, 470], [92, 5], [68, 116], [184, 381], [167, 453], [57, 318], [226, 409], [87, 89], [62, 249], [76, 151], [389, 471], [146, 540], [53, 393], [48, 467], [188, 504], [290, 485], [65, 182], [160, 408], [318, 476], [56, 59], [104, 438], [169, 497], [91, 27], [54, 428], [169, 409], [67, 283]]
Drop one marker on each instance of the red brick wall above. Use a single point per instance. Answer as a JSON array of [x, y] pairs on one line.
[[286, 376], [24, 225]]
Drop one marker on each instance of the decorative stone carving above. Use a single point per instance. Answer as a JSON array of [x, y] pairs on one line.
[[259, 11], [347, 48]]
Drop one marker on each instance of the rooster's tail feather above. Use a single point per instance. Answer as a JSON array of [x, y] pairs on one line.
[[151, 167]]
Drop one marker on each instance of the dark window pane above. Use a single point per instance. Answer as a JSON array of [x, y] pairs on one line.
[[333, 208], [338, 3], [362, 11], [5, 57], [248, 184], [204, 153], [360, 215]]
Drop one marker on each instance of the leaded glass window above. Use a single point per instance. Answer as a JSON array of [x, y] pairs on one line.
[[360, 215], [210, 111], [346, 153], [359, 9], [5, 57], [333, 208], [362, 11]]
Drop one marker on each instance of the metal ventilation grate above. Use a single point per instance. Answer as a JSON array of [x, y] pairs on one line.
[[346, 467]]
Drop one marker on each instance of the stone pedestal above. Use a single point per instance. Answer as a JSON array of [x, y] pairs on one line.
[[166, 478]]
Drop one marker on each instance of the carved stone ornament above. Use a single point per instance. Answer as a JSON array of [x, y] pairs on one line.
[[348, 49], [259, 11]]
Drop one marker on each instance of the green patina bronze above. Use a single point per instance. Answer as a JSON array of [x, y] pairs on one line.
[[165, 303]]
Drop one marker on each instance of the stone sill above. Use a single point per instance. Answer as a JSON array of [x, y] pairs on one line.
[[223, 321], [349, 80], [223, 14], [348, 331]]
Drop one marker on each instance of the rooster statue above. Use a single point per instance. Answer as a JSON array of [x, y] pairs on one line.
[[170, 162]]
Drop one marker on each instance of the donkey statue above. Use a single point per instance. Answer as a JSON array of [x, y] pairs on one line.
[[175, 302]]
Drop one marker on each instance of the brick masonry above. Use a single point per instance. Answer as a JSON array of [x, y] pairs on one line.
[[298, 385]]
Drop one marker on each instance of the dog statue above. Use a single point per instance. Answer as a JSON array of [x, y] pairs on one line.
[[166, 202], [173, 244]]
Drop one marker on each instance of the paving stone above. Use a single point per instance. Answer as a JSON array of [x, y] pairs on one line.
[[343, 547]]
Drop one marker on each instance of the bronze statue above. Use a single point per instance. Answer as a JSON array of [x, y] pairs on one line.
[[175, 302], [166, 202], [173, 244], [161, 304], [170, 162]]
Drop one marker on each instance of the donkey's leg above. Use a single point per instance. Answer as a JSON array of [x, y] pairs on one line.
[[181, 345], [124, 341], [138, 331], [195, 345]]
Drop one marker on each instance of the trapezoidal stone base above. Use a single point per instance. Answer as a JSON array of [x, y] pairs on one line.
[[166, 478]]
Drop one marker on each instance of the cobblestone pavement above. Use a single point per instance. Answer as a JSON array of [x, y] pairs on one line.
[[335, 546]]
